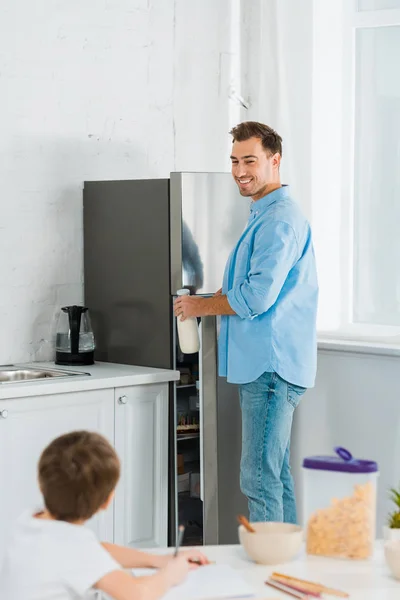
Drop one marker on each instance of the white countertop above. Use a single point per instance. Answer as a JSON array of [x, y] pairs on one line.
[[363, 580], [102, 375]]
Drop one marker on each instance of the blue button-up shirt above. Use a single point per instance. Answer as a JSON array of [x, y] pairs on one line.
[[271, 283]]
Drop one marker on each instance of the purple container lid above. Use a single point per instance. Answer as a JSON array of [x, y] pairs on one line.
[[343, 462]]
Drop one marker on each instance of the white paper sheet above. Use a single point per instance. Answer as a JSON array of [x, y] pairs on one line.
[[208, 582]]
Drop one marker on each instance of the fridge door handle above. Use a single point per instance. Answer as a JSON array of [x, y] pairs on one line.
[[201, 418], [208, 428]]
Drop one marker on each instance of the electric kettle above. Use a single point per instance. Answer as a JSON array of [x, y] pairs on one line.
[[74, 337]]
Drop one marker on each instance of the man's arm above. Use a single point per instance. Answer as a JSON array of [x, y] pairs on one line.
[[274, 255], [196, 306]]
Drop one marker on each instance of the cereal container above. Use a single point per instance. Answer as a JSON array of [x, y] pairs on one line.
[[339, 505]]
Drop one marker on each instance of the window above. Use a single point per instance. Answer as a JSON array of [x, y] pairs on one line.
[[377, 4], [377, 176], [356, 164]]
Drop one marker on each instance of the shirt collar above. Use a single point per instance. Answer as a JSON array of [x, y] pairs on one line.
[[269, 199]]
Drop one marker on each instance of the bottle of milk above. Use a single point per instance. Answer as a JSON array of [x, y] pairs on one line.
[[188, 332]]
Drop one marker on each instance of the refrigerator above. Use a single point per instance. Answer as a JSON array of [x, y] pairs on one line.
[[143, 240]]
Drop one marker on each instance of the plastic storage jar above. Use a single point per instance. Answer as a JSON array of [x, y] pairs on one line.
[[339, 505]]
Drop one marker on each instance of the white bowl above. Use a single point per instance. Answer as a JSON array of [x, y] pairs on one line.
[[392, 555], [272, 543]]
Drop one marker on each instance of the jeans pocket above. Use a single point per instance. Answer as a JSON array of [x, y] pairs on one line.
[[294, 394]]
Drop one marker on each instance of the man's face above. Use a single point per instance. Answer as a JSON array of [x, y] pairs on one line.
[[253, 168]]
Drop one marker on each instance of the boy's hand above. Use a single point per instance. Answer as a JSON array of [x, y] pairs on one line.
[[194, 557], [177, 569], [179, 566]]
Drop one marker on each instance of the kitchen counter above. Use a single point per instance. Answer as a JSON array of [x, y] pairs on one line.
[[363, 580], [102, 376], [128, 405]]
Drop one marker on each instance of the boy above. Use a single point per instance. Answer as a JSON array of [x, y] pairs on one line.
[[51, 556]]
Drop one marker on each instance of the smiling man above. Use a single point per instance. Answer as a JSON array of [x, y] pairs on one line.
[[268, 303]]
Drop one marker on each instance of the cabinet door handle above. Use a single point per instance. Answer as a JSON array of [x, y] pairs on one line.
[[4, 414], [122, 400]]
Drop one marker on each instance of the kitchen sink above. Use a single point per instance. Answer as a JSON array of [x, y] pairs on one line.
[[20, 374]]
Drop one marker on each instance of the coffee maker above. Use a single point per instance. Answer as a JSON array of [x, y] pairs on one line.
[[75, 343]]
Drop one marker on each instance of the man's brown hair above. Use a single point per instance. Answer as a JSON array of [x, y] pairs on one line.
[[270, 139], [77, 473]]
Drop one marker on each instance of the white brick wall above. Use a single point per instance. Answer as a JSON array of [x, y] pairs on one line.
[[96, 89]]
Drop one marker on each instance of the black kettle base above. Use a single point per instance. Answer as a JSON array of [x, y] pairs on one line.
[[76, 360]]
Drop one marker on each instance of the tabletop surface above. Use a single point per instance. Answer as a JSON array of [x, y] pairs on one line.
[[363, 580]]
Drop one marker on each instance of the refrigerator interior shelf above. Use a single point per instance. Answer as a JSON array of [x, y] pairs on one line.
[[188, 385], [187, 436]]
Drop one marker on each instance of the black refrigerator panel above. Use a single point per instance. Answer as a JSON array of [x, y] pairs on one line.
[[127, 270]]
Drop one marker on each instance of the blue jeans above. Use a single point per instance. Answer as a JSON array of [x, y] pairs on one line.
[[267, 407]]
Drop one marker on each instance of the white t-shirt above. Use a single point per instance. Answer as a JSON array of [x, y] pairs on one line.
[[52, 560]]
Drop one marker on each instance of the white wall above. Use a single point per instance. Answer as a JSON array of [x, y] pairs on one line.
[[96, 90], [355, 404]]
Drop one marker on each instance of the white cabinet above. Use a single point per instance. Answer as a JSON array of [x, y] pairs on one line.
[[141, 441], [27, 425], [133, 419]]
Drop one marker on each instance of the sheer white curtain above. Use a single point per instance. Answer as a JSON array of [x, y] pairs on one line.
[[277, 80]]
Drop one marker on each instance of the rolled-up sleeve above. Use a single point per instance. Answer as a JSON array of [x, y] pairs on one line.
[[274, 254]]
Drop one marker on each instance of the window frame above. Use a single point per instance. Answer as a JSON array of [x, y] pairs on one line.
[[333, 208]]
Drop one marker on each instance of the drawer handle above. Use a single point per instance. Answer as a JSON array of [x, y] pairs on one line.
[[4, 414], [122, 400]]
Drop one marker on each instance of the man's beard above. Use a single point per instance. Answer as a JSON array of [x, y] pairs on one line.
[[246, 194]]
